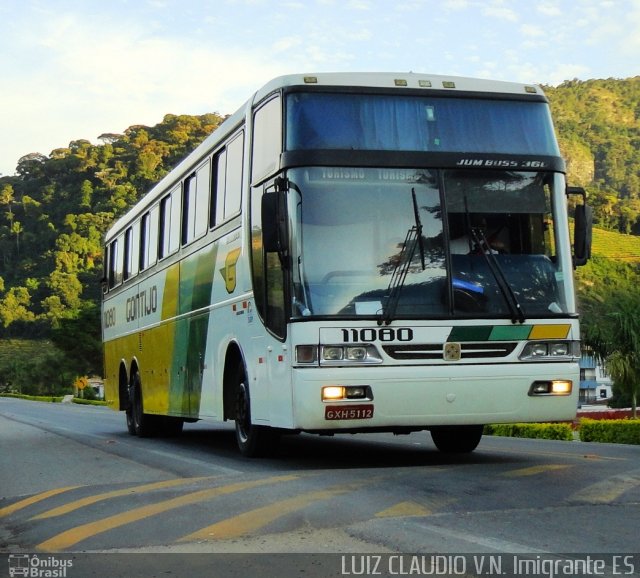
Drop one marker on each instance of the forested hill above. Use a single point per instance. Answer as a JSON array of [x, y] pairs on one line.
[[54, 212], [598, 126]]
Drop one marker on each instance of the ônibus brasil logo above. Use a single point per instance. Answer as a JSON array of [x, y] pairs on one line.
[[33, 566]]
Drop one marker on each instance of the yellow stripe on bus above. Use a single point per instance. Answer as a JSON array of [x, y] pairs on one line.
[[78, 534], [549, 331]]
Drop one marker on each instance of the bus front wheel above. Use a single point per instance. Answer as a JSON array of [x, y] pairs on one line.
[[460, 439], [253, 440]]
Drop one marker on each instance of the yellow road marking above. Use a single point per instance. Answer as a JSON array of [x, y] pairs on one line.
[[404, 510], [534, 470], [65, 509], [260, 517], [607, 491], [79, 533], [34, 499]]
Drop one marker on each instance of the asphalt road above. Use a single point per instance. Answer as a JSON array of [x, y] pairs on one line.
[[73, 480]]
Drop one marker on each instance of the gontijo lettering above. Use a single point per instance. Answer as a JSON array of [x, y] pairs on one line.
[[142, 304]]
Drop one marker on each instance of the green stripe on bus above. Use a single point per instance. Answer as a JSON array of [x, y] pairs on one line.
[[510, 332], [472, 333], [490, 333], [190, 333]]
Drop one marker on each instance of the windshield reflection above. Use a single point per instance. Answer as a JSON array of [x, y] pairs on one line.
[[380, 243]]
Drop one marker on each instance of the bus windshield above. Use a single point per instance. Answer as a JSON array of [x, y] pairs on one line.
[[425, 243], [418, 123]]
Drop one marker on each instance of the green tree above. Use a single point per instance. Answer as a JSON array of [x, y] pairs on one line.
[[614, 335], [15, 306], [79, 338]]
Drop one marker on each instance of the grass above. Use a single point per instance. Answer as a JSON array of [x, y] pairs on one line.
[[616, 246], [32, 349], [53, 398]]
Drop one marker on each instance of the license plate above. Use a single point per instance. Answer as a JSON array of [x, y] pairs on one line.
[[340, 412]]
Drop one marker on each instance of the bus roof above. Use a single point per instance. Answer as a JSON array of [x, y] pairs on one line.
[[398, 80], [382, 80]]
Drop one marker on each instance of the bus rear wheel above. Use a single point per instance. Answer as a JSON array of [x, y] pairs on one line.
[[253, 440], [138, 422], [460, 439]]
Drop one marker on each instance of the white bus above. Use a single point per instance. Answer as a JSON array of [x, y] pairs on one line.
[[353, 253]]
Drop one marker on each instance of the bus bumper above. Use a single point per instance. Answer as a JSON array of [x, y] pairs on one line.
[[420, 397]]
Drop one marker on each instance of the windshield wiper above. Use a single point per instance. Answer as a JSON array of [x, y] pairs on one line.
[[412, 240], [506, 291], [418, 227]]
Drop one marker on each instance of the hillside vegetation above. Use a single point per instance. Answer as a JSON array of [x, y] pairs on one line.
[[55, 210], [616, 246]]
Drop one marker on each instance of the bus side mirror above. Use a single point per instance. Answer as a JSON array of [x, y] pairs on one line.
[[583, 225], [274, 223], [269, 219], [582, 235]]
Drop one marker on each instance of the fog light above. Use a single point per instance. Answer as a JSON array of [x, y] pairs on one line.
[[357, 392], [541, 388], [332, 392]]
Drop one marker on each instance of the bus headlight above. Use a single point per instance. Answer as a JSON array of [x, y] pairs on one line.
[[332, 353], [347, 354], [551, 350], [337, 354]]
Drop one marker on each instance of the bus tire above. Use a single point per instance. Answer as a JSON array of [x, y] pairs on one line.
[[460, 439], [131, 428], [143, 424], [253, 440]]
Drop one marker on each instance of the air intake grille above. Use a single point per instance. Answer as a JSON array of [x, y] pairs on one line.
[[435, 350]]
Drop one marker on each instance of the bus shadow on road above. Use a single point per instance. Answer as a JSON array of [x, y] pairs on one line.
[[307, 451]]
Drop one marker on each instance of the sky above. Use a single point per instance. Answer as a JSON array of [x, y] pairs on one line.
[[75, 69]]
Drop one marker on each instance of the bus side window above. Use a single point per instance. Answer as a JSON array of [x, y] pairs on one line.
[[154, 233], [170, 223], [111, 268], [116, 262], [176, 220], [203, 178], [165, 224], [267, 139], [233, 189], [190, 191], [143, 257], [131, 243], [128, 239], [149, 239], [195, 204], [218, 187]]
